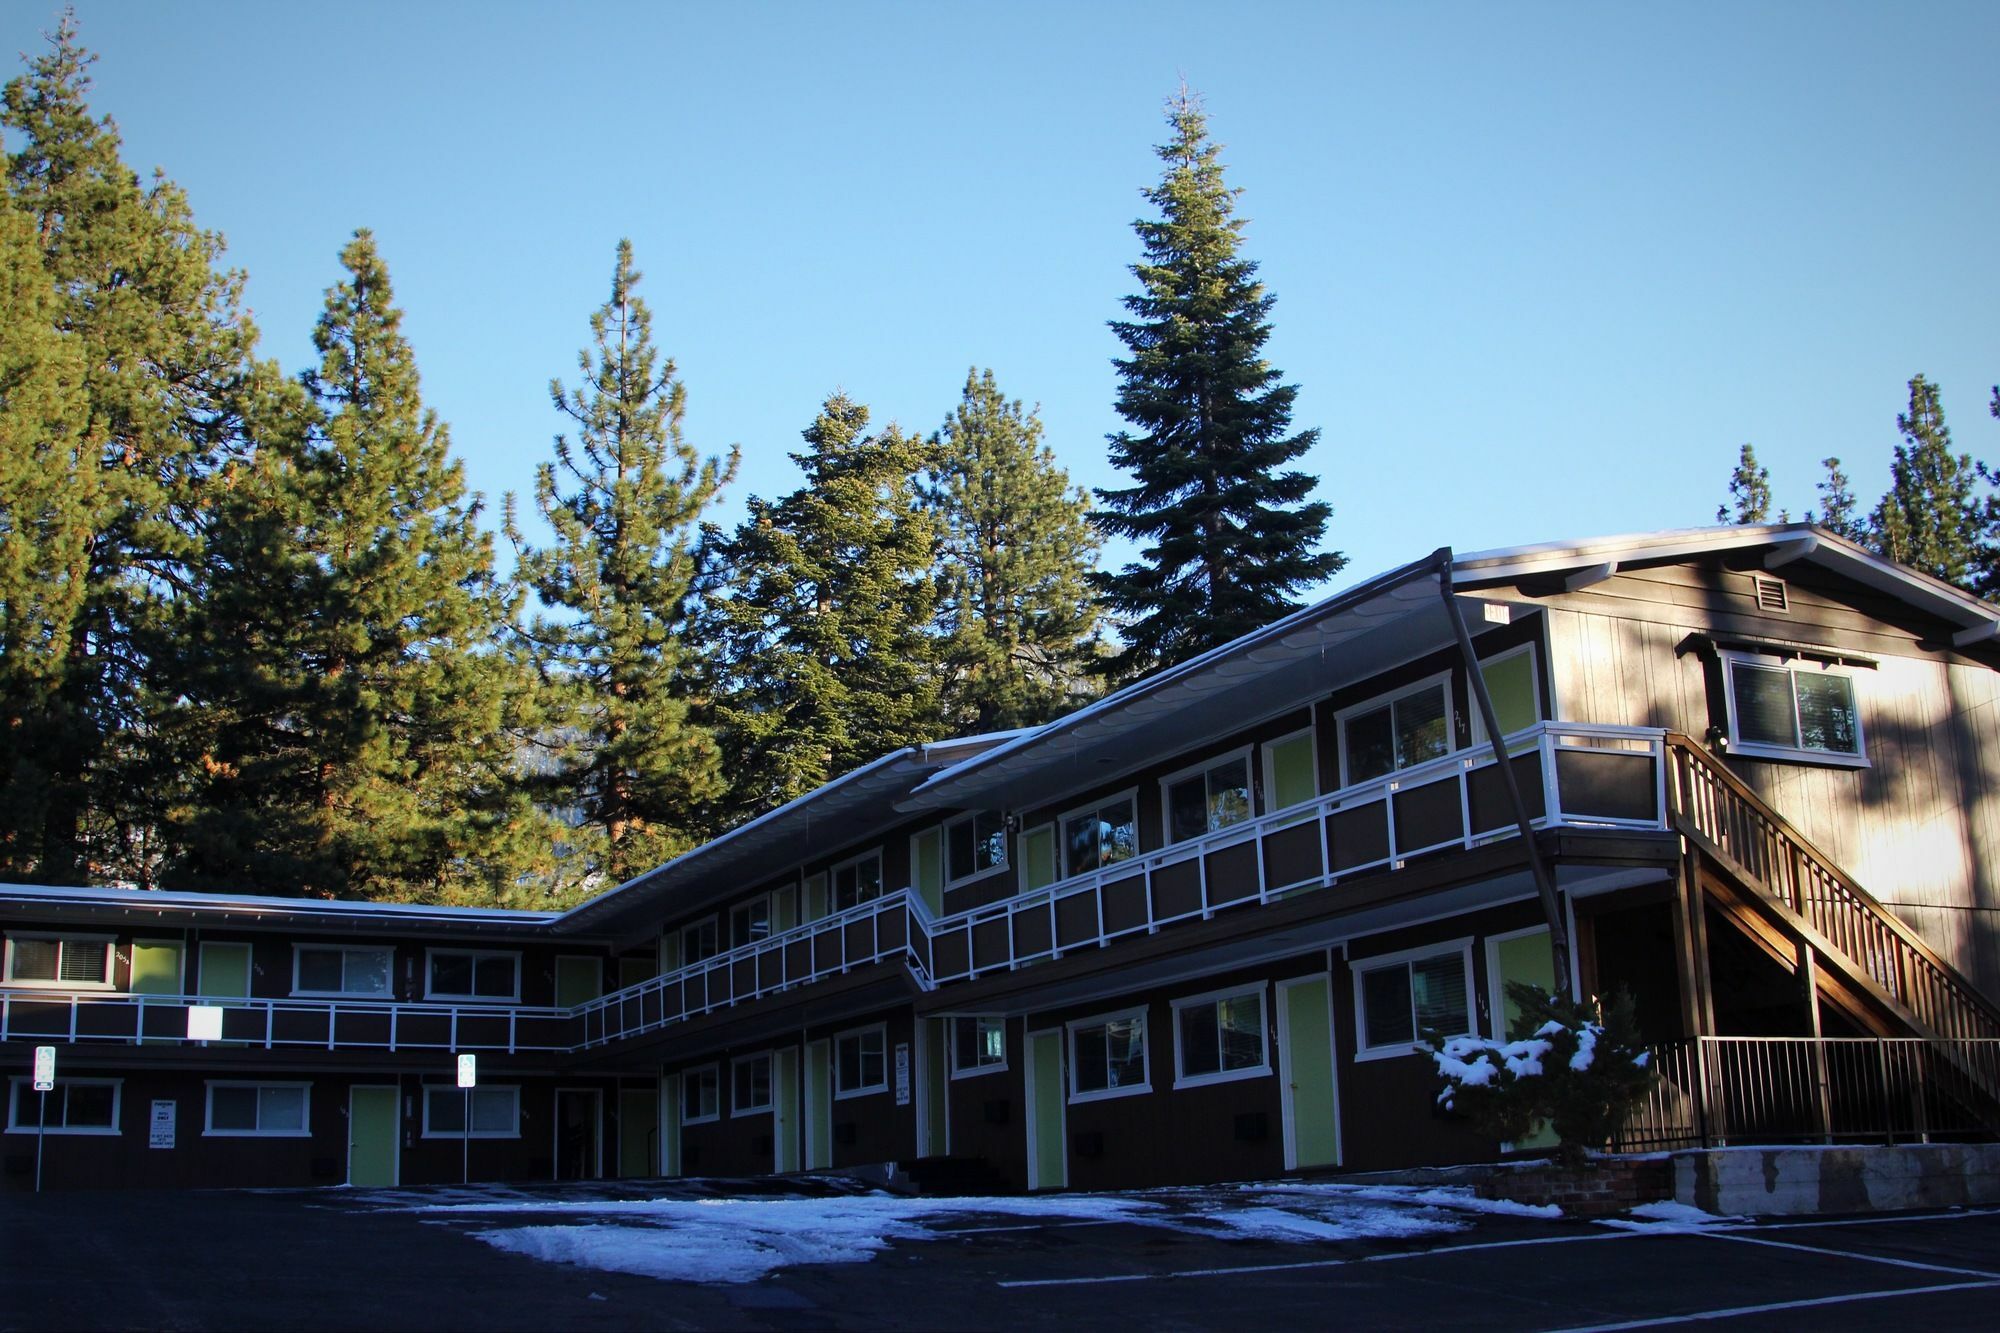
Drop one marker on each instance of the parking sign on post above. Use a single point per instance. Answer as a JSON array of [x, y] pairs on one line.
[[45, 1068], [45, 1082], [468, 1079], [468, 1071]]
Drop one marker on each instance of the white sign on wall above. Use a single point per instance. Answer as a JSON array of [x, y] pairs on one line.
[[204, 1023], [902, 1073], [45, 1068], [161, 1134], [468, 1071]]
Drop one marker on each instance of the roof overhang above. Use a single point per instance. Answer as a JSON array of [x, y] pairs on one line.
[[105, 906]]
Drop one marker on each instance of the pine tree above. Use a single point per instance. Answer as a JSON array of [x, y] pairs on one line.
[[625, 502], [1015, 553], [1837, 502], [1230, 536], [370, 740], [1749, 492], [1932, 518], [827, 660], [163, 348]]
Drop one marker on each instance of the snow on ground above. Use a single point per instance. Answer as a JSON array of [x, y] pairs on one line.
[[1667, 1215], [1456, 1197]]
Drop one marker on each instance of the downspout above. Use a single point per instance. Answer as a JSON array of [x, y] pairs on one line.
[[1545, 885]]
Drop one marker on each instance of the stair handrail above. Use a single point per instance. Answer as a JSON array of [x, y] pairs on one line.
[[1947, 976]]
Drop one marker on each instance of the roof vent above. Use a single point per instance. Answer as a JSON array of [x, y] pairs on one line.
[[1771, 595]]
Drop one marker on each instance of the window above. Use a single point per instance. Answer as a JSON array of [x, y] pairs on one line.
[[1213, 796], [752, 1077], [974, 845], [857, 882], [75, 1106], [978, 1046], [698, 942], [1219, 1037], [859, 1064], [71, 962], [701, 1095], [1107, 1056], [1515, 687], [1395, 732], [1291, 771], [496, 1112], [750, 922], [1399, 997], [1792, 710], [473, 974], [258, 1110], [334, 969], [1101, 836]]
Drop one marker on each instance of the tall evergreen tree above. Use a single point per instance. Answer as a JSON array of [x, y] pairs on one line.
[[1016, 550], [625, 502], [373, 750], [827, 657], [1933, 517], [1230, 536], [163, 348], [1837, 504], [1749, 491]]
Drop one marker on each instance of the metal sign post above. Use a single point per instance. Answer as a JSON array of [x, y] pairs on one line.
[[468, 1079], [45, 1082]]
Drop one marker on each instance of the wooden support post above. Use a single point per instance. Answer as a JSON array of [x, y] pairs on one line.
[[1809, 983]]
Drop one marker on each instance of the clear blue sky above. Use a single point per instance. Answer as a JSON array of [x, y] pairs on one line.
[[1540, 269]]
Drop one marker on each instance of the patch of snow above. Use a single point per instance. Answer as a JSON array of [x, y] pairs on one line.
[[1586, 1046], [1459, 1198], [1667, 1215]]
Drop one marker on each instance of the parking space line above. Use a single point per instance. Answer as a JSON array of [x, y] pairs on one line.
[[1241, 1269], [1879, 1220], [1739, 1311], [1742, 1239]]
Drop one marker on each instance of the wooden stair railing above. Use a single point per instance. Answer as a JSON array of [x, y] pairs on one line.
[[1717, 810]]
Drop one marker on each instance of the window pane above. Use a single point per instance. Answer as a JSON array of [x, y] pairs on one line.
[[319, 969], [1119, 829], [992, 1041], [367, 971], [1187, 809], [1080, 843], [1385, 1003], [1241, 1020], [1764, 705], [1092, 1074], [90, 1106], [36, 960], [1826, 712], [847, 1063], [1511, 682], [1420, 731], [451, 974], [870, 873], [873, 1070], [959, 839], [281, 1109], [1371, 746], [1229, 793], [83, 962], [990, 829], [1201, 1049], [493, 1111], [232, 1108], [494, 978], [1440, 994], [447, 1110], [1125, 1051]]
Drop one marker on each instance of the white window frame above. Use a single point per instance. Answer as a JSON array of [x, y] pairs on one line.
[[1090, 808], [20, 1093], [881, 1031], [951, 1040], [109, 943], [944, 848], [687, 1076], [514, 1089], [1201, 770], [1267, 769], [1183, 1079], [713, 920], [209, 1131], [744, 905], [1360, 967], [1790, 665], [770, 1085], [1145, 1083], [1386, 699], [833, 880], [1534, 683], [387, 994], [432, 954]]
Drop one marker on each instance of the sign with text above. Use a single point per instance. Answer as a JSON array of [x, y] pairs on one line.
[[45, 1068], [204, 1023], [468, 1071], [902, 1073], [161, 1134]]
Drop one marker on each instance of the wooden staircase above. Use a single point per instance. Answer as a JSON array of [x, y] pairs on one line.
[[1770, 881]]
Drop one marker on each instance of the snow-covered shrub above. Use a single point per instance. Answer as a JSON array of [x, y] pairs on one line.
[[1577, 1066]]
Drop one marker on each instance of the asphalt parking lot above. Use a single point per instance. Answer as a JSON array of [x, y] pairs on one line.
[[1175, 1259]]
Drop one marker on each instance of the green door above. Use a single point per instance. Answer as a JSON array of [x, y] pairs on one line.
[[927, 863], [156, 970], [1048, 1153], [371, 1136], [1525, 958], [578, 980], [638, 1130], [1305, 1041], [819, 1106], [785, 1110], [225, 971]]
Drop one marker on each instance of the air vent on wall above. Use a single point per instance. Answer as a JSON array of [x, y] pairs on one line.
[[1771, 595]]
